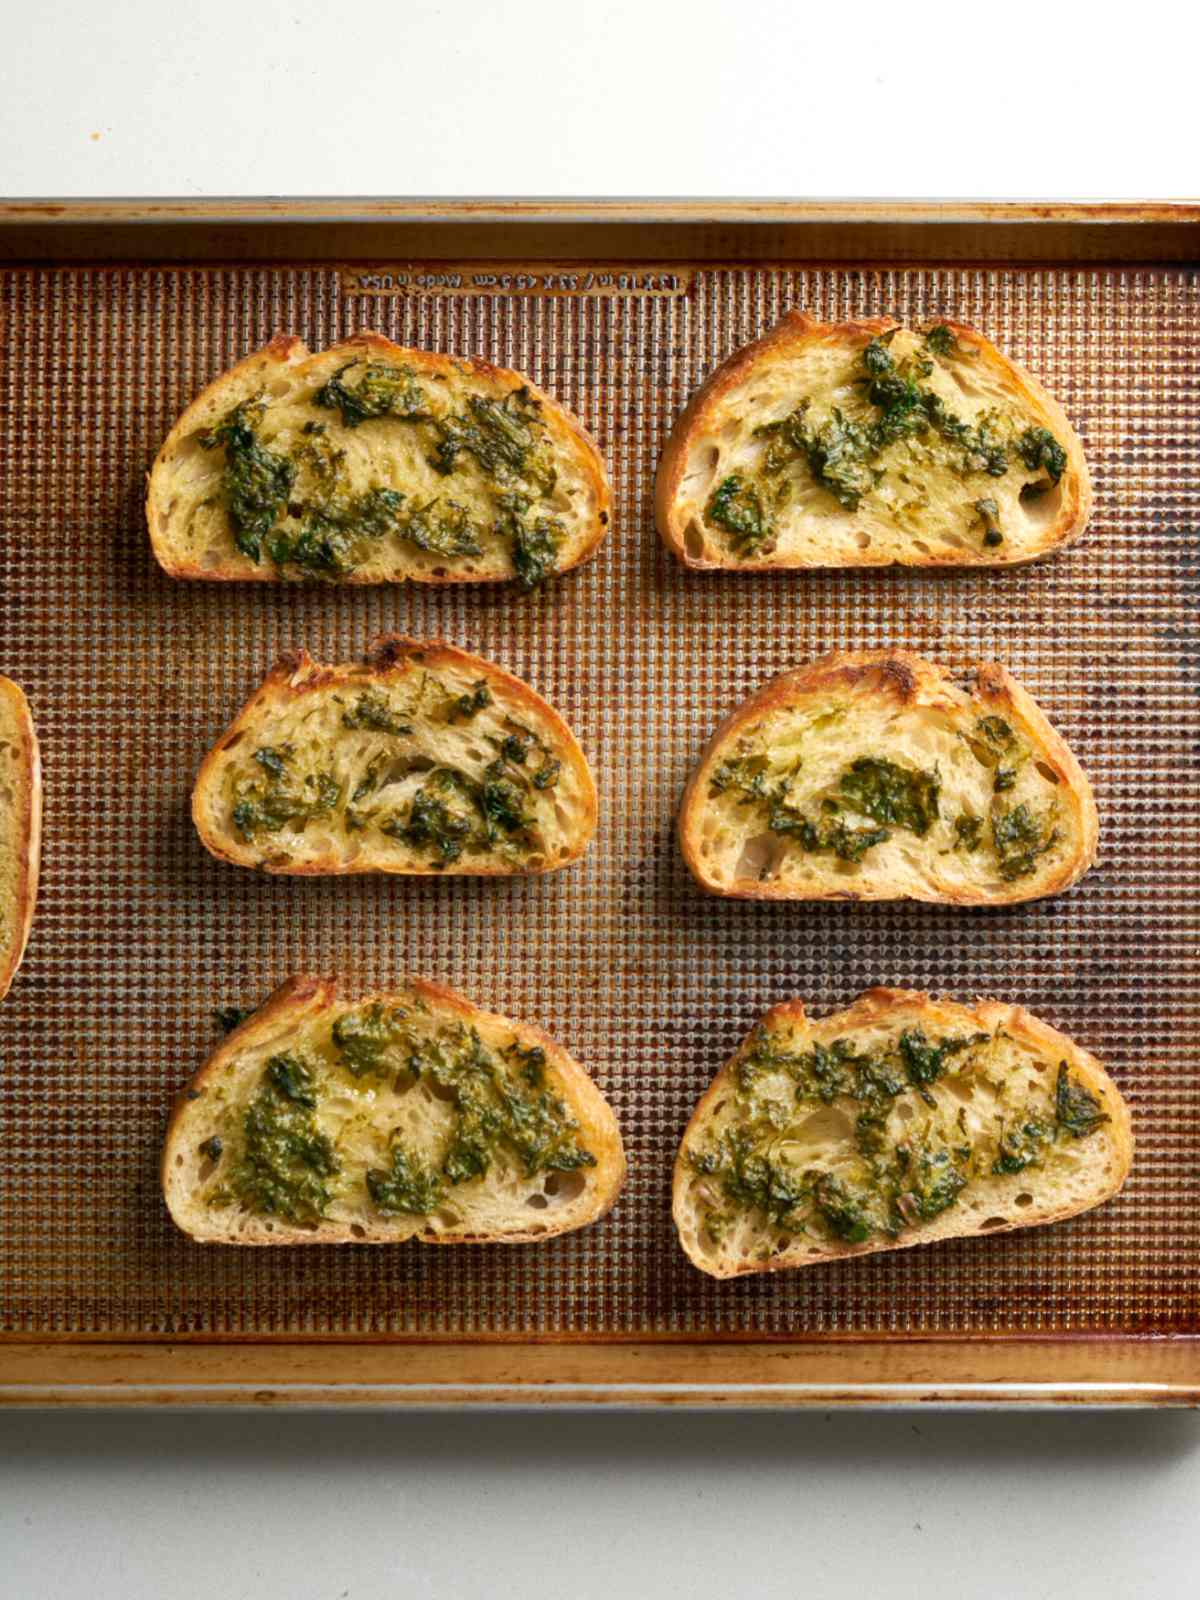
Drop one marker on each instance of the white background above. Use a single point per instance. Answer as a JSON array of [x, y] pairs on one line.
[[599, 1507], [258, 97], [1017, 98]]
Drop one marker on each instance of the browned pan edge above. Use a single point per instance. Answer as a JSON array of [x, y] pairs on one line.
[[709, 231], [809, 1372]]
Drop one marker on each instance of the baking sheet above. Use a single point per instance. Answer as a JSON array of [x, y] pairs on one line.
[[647, 981]]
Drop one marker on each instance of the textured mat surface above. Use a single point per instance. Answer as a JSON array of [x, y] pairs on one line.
[[140, 934]]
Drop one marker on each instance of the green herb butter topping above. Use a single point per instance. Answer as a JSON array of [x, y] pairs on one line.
[[895, 429], [282, 1164], [873, 798], [389, 785], [857, 1143], [289, 500], [501, 1108], [481, 1110], [870, 788]]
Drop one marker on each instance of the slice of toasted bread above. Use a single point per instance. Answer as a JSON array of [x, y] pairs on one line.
[[20, 827], [860, 444], [369, 463], [401, 1115], [869, 775], [424, 760], [896, 1122]]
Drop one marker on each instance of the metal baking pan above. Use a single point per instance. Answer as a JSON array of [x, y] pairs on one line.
[[114, 315]]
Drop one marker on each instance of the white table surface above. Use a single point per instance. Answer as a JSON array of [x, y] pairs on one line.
[[264, 1506], [636, 98], [1028, 98]]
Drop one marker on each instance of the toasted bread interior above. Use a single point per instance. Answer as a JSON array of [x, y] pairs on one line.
[[434, 762], [870, 444], [843, 786], [372, 463], [405, 1114], [898, 1121]]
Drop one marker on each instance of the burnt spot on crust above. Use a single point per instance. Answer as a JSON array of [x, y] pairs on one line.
[[882, 997], [866, 328], [788, 1011], [990, 682], [303, 986], [289, 663], [875, 671], [441, 994], [869, 328], [392, 650], [303, 673], [897, 677], [475, 366]]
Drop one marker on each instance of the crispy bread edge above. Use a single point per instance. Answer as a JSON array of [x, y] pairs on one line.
[[29, 834]]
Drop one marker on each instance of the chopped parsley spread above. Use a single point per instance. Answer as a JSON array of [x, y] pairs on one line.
[[275, 1160], [452, 813], [503, 1109], [907, 1153], [295, 508], [281, 797], [870, 789], [441, 810], [1020, 834], [873, 796], [283, 1164], [256, 481], [849, 453]]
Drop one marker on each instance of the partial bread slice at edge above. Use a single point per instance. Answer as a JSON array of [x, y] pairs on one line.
[[705, 427], [890, 683], [998, 1208], [285, 362], [281, 1023], [20, 827], [296, 678]]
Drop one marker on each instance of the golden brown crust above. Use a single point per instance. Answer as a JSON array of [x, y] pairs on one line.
[[287, 350], [296, 674], [28, 834], [797, 328], [303, 997], [879, 1005], [905, 678]]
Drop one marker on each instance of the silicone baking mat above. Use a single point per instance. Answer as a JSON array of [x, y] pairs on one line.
[[139, 934]]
